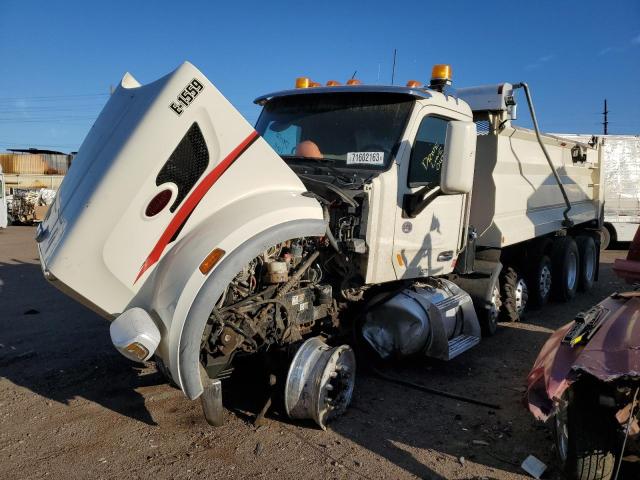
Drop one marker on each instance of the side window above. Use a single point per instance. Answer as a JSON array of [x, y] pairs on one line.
[[427, 151]]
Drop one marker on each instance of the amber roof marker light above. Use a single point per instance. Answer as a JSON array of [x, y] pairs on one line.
[[303, 82], [441, 75]]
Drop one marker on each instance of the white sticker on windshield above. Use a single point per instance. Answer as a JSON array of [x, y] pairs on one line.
[[365, 158]]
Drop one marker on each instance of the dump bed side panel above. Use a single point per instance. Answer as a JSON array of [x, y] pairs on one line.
[[515, 195]]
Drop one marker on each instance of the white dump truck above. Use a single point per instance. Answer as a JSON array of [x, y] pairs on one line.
[[621, 167], [408, 218]]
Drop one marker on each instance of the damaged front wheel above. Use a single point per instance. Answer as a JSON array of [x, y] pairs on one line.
[[320, 381]]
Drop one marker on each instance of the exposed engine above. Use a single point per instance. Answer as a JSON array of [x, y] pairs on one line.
[[291, 291]]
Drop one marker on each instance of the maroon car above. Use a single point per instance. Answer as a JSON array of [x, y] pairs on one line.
[[587, 378]]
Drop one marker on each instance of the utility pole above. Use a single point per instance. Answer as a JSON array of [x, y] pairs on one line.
[[606, 118], [393, 70]]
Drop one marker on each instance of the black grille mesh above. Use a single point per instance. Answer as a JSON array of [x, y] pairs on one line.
[[186, 164]]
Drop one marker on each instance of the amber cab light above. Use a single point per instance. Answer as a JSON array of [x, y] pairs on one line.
[[302, 82], [414, 84], [354, 81], [440, 77], [441, 72], [333, 83]]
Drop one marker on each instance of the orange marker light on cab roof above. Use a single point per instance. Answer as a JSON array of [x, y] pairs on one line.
[[354, 81], [333, 83], [314, 84], [414, 84], [302, 82], [441, 72], [211, 260]]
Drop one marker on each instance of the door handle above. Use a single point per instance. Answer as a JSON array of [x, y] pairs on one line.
[[445, 256]]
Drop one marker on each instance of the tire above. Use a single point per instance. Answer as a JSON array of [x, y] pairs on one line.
[[605, 238], [539, 277], [164, 371], [514, 293], [585, 441], [488, 317], [588, 259], [565, 263]]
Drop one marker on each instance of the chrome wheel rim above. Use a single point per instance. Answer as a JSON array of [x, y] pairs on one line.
[[495, 304], [545, 281], [521, 294], [589, 264], [572, 270]]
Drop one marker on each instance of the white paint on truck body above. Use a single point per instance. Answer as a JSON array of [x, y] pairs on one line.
[[97, 237]]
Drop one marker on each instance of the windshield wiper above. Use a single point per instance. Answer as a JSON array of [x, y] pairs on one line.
[[319, 184], [338, 174]]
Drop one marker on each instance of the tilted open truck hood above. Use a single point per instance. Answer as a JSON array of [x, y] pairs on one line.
[[159, 160]]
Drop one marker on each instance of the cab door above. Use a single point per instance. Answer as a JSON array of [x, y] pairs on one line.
[[427, 243]]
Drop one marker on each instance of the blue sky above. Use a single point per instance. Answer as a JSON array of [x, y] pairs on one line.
[[59, 58]]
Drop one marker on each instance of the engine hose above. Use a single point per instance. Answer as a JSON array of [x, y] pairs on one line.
[[332, 239], [297, 275], [567, 221]]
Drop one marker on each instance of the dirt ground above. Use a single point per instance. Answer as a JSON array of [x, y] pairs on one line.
[[72, 407]]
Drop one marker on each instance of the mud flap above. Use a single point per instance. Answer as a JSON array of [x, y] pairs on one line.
[[479, 284], [211, 399]]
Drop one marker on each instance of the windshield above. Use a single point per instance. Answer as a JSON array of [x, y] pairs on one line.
[[353, 130]]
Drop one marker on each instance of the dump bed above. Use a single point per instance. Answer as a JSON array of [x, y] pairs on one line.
[[515, 194]]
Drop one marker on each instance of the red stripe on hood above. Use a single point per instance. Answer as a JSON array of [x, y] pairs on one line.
[[193, 200]]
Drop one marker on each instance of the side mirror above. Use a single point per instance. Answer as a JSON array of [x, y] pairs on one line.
[[459, 159]]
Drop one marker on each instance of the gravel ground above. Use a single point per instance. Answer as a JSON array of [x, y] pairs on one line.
[[72, 407]]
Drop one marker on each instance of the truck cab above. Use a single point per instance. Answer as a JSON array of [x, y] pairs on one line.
[[384, 148]]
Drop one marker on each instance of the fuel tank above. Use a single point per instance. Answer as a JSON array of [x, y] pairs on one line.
[[436, 320]]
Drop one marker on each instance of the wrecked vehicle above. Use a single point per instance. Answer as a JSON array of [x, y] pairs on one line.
[[347, 209], [586, 380]]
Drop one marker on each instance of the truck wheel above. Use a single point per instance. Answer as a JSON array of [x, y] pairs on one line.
[[585, 442], [565, 260], [539, 281], [164, 371], [588, 258], [605, 238], [514, 295], [488, 317]]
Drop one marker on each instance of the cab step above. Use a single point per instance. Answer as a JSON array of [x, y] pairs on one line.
[[460, 344]]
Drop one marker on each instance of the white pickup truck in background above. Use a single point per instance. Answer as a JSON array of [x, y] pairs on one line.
[[3, 202]]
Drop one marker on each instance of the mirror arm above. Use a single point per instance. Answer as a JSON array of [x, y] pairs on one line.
[[416, 202]]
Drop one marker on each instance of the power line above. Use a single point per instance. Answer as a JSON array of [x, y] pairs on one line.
[[56, 96]]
